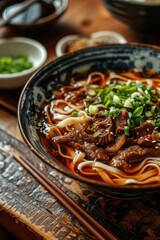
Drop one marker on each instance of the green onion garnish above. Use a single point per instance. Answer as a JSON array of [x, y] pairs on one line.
[[14, 64], [136, 98]]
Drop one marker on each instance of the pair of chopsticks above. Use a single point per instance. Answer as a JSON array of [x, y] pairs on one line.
[[97, 230]]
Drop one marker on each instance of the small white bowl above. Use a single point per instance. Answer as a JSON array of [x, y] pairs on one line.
[[108, 36], [15, 46]]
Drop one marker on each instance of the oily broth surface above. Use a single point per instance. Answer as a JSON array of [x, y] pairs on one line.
[[66, 114]]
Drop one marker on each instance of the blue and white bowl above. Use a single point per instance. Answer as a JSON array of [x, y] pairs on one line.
[[40, 87]]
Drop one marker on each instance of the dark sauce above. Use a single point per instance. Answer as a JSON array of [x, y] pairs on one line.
[[32, 14]]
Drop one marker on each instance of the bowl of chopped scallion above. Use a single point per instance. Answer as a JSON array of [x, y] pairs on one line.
[[19, 58]]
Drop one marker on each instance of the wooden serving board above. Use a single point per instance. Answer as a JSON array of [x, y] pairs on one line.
[[29, 211]]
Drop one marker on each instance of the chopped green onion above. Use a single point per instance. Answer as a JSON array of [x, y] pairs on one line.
[[14, 64], [136, 98], [128, 104], [74, 114], [96, 134], [152, 91], [157, 124], [88, 99], [104, 113], [148, 114], [114, 112], [91, 92], [136, 94], [126, 130], [139, 120], [107, 104], [153, 110], [116, 99], [93, 109], [131, 123], [134, 103], [138, 112], [154, 99]]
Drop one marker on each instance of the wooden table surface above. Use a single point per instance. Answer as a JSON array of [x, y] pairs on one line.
[[16, 212]]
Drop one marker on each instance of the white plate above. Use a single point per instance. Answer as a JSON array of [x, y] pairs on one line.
[[110, 37]]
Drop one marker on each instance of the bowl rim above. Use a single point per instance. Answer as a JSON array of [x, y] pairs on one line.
[[124, 188], [135, 3], [32, 43]]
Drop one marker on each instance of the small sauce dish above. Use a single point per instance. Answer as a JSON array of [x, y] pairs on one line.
[[71, 43]]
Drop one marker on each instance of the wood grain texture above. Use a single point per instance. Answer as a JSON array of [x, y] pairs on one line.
[[36, 214], [26, 201]]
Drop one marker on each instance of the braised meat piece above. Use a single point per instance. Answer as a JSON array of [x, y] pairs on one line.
[[99, 141], [121, 122], [99, 131], [129, 155], [142, 130], [124, 158], [145, 141], [92, 151], [72, 136]]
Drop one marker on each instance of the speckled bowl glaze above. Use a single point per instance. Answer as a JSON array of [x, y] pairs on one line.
[[41, 85]]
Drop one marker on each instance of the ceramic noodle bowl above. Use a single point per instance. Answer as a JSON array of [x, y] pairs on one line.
[[40, 88]]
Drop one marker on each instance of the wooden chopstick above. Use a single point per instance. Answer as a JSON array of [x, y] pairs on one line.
[[8, 106], [83, 217]]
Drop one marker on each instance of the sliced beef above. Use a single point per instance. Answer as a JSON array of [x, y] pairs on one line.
[[103, 128], [92, 152], [72, 136], [145, 141], [142, 130], [124, 158], [99, 131], [121, 122]]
